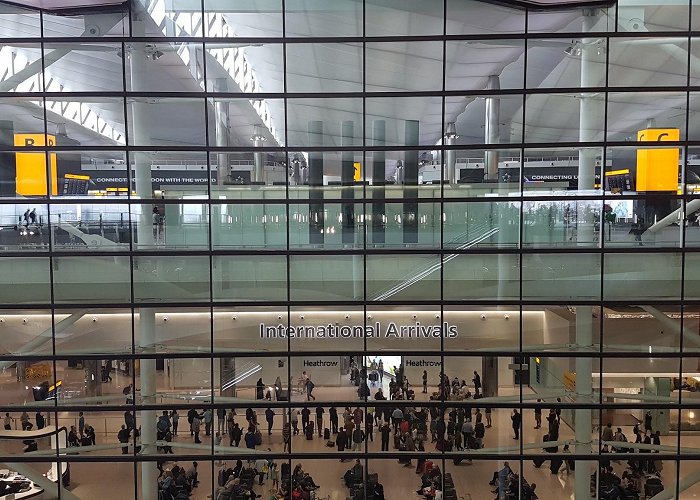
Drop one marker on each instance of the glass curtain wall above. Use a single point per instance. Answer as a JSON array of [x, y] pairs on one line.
[[462, 228]]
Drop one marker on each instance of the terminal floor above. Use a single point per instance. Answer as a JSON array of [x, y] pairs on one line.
[[114, 480]]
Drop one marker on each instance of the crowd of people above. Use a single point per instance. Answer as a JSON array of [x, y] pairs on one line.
[[398, 422]]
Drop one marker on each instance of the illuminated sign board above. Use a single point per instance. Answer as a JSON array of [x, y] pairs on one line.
[[371, 330], [31, 172]]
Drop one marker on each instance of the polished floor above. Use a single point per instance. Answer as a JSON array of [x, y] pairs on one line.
[[115, 480]]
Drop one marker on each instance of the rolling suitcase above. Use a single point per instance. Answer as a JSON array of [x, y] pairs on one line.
[[310, 431], [326, 434]]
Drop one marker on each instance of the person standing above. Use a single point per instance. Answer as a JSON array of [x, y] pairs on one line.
[[349, 429], [123, 437], [129, 420], [385, 431], [369, 429], [24, 419], [40, 420], [647, 421], [479, 432], [487, 413], [341, 440], [191, 413], [287, 437], [538, 415], [333, 414], [269, 418], [477, 384], [295, 421], [221, 420], [259, 389], [236, 435], [425, 381], [358, 437], [250, 438], [319, 419], [196, 427], [517, 420], [81, 424], [175, 419], [208, 420], [305, 418]]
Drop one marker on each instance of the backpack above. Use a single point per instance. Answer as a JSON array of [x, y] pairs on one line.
[[162, 425], [258, 438], [311, 385]]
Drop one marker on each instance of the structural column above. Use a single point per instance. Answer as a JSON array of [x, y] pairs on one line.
[[259, 157], [489, 376], [378, 181], [590, 76], [93, 377], [316, 215], [410, 183], [140, 136], [147, 380], [449, 175], [492, 129], [222, 130], [347, 179], [584, 395], [144, 190]]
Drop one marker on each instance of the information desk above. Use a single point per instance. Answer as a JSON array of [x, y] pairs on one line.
[[58, 439], [14, 486]]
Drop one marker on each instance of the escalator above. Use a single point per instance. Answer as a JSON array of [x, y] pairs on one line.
[[484, 231]]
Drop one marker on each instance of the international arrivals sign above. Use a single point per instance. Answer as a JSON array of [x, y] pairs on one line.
[[377, 329]]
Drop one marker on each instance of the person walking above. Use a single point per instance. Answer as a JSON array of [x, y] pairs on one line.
[[425, 381], [516, 420], [309, 389], [269, 418], [7, 422]]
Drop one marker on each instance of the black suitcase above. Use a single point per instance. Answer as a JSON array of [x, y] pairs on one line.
[[326, 434], [310, 431]]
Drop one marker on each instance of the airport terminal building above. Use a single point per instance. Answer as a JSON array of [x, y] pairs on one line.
[[465, 232]]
